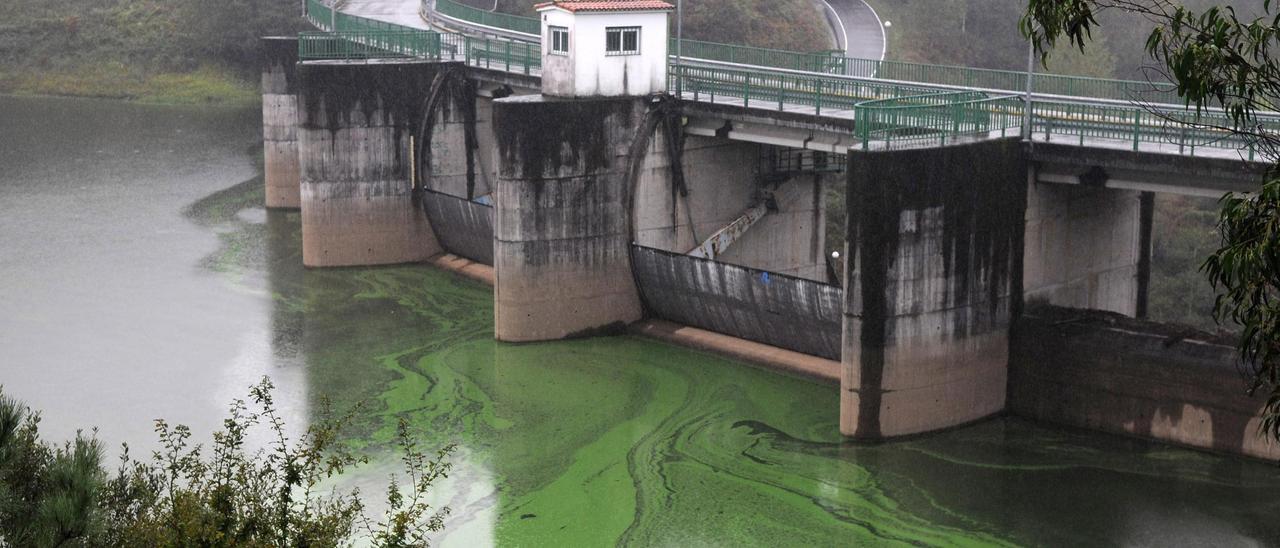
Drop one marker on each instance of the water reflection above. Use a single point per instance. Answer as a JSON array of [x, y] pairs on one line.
[[106, 316]]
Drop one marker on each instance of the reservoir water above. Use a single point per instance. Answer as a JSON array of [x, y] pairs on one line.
[[141, 278]]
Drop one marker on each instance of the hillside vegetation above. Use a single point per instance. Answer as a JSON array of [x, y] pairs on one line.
[[185, 51], [984, 33], [196, 51], [783, 24]]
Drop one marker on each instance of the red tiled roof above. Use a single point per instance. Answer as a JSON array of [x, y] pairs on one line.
[[606, 5]]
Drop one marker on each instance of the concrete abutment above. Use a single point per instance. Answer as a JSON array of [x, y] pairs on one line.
[[357, 195], [280, 122], [563, 235], [933, 278]]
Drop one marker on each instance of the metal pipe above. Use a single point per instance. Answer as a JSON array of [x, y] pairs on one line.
[[679, 46], [1031, 74]]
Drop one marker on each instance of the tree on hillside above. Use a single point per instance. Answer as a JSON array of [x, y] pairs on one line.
[[1097, 62], [229, 29], [785, 24], [1217, 57]]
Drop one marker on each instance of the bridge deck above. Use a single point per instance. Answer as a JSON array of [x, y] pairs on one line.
[[822, 98]]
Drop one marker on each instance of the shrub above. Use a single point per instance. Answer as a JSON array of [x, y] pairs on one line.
[[225, 495]]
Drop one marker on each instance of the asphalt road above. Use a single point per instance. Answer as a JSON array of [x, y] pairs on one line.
[[857, 28], [400, 12]]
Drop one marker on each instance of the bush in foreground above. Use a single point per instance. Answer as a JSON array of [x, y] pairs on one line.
[[222, 495]]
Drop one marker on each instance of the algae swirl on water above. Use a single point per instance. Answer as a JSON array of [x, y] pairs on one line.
[[628, 441]]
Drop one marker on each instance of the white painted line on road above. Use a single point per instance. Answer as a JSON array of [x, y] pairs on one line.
[[844, 32]]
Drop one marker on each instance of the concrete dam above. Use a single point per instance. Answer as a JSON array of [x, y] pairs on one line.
[[989, 267]]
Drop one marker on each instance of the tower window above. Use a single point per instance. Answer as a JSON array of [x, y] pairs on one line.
[[622, 40], [559, 40]]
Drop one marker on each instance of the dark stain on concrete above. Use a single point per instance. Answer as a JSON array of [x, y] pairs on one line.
[[540, 139], [965, 202], [607, 330], [561, 162], [1146, 218], [280, 65], [465, 100], [451, 96], [347, 95]]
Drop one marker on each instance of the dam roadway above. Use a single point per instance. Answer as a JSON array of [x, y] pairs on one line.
[[756, 88]]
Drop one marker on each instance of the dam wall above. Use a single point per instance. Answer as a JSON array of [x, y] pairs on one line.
[[722, 178], [1106, 372], [358, 202], [792, 239], [586, 210], [280, 122], [456, 148], [1088, 247], [581, 179], [932, 281]]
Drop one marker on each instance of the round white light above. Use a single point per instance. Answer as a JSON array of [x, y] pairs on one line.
[[835, 254], [888, 24]]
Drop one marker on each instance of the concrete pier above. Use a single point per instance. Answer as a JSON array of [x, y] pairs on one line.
[[563, 236], [358, 204], [280, 121], [935, 241]]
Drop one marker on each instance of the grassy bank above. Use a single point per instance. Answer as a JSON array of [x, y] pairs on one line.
[[208, 85], [155, 51]]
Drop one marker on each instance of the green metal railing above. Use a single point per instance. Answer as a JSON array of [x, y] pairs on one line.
[[319, 14], [1013, 81], [833, 63], [747, 55], [987, 79], [500, 54], [1183, 130], [403, 42], [527, 25], [369, 44], [890, 110], [936, 119], [893, 115], [780, 90], [352, 37]]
